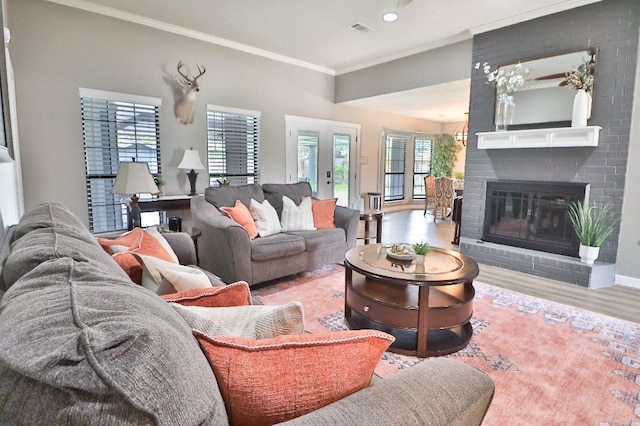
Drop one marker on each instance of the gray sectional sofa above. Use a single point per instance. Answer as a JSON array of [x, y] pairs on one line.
[[226, 250], [80, 343]]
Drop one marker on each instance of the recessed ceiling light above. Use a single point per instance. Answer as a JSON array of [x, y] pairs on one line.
[[390, 17]]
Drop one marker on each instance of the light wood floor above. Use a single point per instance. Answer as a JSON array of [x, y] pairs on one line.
[[410, 226]]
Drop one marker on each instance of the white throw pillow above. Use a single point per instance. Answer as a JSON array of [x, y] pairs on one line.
[[163, 241], [266, 218], [165, 277], [253, 321], [296, 218]]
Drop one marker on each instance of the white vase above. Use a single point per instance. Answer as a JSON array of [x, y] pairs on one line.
[[581, 109], [588, 254]]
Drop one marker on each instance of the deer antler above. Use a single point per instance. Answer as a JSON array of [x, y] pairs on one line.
[[201, 71], [180, 65]]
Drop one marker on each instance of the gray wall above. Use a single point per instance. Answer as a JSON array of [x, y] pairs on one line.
[[57, 49], [441, 65], [612, 27]]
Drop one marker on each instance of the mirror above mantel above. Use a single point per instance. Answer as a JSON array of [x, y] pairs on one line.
[[545, 101]]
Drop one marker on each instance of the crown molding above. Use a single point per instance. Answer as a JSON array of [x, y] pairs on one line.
[[527, 16], [88, 6]]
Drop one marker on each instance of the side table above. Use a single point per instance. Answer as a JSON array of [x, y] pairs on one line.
[[368, 216]]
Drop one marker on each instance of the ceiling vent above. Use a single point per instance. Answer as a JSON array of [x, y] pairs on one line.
[[361, 28]]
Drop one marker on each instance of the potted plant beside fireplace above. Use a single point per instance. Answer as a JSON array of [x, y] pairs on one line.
[[592, 226]]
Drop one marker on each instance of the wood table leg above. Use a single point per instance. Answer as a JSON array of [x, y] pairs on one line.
[[423, 321]]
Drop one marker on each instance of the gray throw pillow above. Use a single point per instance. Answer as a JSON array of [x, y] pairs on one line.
[[81, 346]]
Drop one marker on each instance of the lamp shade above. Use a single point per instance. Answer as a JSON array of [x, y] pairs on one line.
[[134, 178], [191, 160]]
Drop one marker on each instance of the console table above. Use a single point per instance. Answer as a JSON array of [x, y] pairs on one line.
[[426, 305], [160, 204]]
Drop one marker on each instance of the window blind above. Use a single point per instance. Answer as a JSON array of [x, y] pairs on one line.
[[232, 145], [394, 171], [421, 165], [115, 131]]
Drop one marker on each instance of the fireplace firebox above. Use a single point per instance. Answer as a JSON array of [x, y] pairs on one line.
[[532, 215]]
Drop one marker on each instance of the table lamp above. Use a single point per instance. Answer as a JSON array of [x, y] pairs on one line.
[[191, 160], [134, 178]]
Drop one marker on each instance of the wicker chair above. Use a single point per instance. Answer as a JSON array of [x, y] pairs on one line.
[[444, 197], [430, 191]]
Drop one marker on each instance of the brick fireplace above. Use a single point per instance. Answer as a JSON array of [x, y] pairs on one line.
[[609, 27], [533, 215]]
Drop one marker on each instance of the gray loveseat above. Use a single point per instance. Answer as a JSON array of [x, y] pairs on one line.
[[82, 344], [226, 250]]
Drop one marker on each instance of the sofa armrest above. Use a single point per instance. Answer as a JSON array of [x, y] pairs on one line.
[[182, 246], [348, 219], [224, 246], [435, 392]]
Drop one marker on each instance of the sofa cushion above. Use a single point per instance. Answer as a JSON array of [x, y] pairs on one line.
[[236, 294], [296, 217], [226, 196], [80, 346], [314, 240], [251, 321], [275, 246], [43, 244], [273, 380], [240, 214], [295, 191]]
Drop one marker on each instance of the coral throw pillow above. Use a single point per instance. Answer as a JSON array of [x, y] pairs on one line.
[[324, 213], [137, 241], [236, 294], [273, 380], [241, 215]]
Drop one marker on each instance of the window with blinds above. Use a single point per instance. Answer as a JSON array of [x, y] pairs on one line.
[[394, 169], [421, 165], [116, 128], [233, 138]]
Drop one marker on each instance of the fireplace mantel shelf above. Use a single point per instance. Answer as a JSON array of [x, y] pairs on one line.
[[540, 138]]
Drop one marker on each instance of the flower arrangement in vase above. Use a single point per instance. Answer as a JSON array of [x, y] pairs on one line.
[[507, 80], [421, 249], [581, 80]]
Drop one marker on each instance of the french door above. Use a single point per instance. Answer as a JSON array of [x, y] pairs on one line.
[[324, 153]]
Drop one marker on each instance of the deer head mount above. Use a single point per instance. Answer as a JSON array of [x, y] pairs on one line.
[[185, 108]]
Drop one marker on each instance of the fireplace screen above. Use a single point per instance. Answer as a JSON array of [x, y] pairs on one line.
[[532, 215]]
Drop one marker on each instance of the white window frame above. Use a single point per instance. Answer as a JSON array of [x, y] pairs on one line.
[[246, 167], [100, 175]]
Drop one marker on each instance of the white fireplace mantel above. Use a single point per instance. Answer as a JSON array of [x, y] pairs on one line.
[[540, 138]]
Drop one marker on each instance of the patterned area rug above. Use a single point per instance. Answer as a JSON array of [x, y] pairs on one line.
[[552, 364]]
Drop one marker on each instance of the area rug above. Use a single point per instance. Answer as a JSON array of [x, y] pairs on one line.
[[552, 364]]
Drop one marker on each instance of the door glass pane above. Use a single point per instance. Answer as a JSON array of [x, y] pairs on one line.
[[341, 169], [308, 159]]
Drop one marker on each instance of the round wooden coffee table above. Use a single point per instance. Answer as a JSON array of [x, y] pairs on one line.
[[426, 305]]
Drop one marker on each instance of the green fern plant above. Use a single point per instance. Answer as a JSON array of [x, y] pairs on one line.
[[421, 248], [592, 226]]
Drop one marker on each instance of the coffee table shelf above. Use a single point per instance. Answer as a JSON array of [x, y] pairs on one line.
[[428, 313]]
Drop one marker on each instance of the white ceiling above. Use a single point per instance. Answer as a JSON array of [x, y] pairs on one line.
[[316, 34]]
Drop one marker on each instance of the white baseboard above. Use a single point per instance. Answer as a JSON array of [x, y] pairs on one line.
[[628, 281]]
